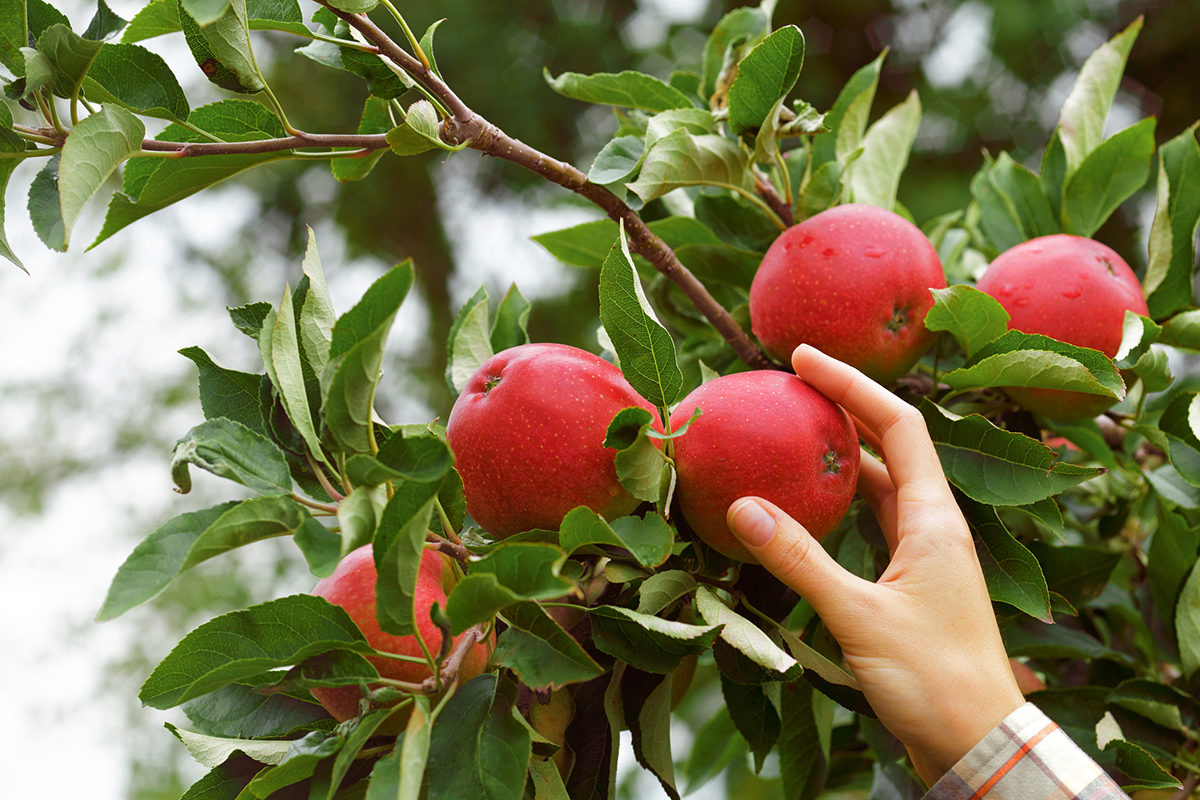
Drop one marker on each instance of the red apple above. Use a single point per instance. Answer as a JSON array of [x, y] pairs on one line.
[[352, 586], [528, 438], [852, 281], [768, 434], [1072, 289]]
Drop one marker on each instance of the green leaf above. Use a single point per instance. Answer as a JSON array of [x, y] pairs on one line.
[[748, 24], [93, 151], [157, 18], [627, 89], [875, 175], [647, 642], [1013, 203], [358, 516], [104, 23], [355, 6], [540, 652], [1012, 573], [469, 344], [478, 748], [1081, 125], [972, 317], [210, 751], [1168, 283], [150, 184], [1187, 624], [649, 540], [375, 120], [230, 450], [660, 591], [418, 132], [420, 457], [994, 466], [237, 645], [617, 160], [1030, 360], [754, 715], [241, 711], [1173, 553], [45, 207], [804, 741], [398, 546], [509, 574], [192, 538], [847, 119], [746, 638], [764, 77], [1086, 434], [137, 80], [1033, 639], [14, 35], [648, 715], [222, 48], [1179, 422], [322, 548], [356, 357], [511, 326], [639, 462], [9, 143], [644, 347], [1112, 172], [1077, 573], [1138, 765], [301, 761], [71, 54], [682, 159], [583, 245]]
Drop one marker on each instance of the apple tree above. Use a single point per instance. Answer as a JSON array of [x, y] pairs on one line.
[[1087, 528]]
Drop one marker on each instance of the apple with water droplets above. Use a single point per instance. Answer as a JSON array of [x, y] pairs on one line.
[[1072, 289], [528, 438], [769, 434], [853, 282]]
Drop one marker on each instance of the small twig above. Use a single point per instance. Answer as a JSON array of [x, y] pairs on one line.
[[313, 504], [323, 479], [456, 551], [766, 190]]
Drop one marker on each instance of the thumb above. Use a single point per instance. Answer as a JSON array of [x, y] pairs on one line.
[[790, 553]]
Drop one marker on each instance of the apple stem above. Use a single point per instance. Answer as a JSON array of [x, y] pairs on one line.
[[781, 208], [447, 528], [456, 550]]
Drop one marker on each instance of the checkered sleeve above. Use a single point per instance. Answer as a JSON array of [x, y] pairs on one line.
[[1026, 757]]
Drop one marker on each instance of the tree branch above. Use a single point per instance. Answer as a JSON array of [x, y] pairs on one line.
[[464, 125], [770, 195]]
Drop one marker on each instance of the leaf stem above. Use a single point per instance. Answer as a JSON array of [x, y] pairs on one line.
[[196, 129], [277, 107], [447, 528], [323, 479], [31, 153], [416, 45], [313, 504]]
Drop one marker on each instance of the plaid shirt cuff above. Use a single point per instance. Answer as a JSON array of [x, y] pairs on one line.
[[1026, 757]]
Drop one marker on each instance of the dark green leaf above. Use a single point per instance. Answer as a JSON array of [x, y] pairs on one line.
[[715, 745], [998, 467], [847, 120], [418, 132], [93, 151], [240, 711], [228, 393], [193, 537], [222, 48], [423, 458], [1187, 624], [680, 159], [226, 781], [874, 176], [649, 643], [469, 344], [1179, 422], [375, 120], [104, 23], [644, 347], [71, 54], [540, 652], [648, 715], [765, 76], [1029, 360], [1173, 552], [1078, 573], [584, 245], [13, 35], [746, 24], [156, 18], [300, 762], [1012, 573], [804, 742], [617, 160], [45, 207], [1013, 203], [399, 543], [243, 643], [754, 716], [511, 326], [746, 638]]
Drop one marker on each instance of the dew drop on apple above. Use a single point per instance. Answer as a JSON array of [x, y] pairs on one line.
[[1021, 302], [1030, 283], [1072, 291], [1005, 289], [829, 252], [806, 240], [871, 251]]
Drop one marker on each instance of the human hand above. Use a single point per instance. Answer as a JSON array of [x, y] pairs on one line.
[[922, 641]]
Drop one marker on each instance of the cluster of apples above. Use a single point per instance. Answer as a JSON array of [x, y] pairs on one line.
[[854, 281]]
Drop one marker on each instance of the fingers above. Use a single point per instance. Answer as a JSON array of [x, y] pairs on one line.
[[875, 486], [791, 554], [898, 427]]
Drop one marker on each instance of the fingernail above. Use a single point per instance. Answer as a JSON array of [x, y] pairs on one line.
[[752, 523]]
